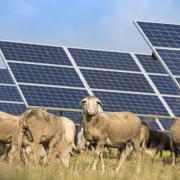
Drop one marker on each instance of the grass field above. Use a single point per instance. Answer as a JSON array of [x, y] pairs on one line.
[[80, 169]]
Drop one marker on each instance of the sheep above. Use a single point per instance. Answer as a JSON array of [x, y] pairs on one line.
[[119, 128]]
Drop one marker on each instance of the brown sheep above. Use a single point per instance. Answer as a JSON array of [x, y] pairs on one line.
[[159, 140], [46, 129], [119, 128]]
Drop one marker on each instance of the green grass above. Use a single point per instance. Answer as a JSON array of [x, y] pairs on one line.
[[81, 169]]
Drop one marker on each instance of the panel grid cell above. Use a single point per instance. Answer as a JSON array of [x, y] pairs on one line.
[[116, 81], [172, 59], [28, 73], [165, 85], [34, 53], [9, 93], [162, 35], [151, 123], [5, 77], [14, 109], [103, 59], [140, 104], [53, 97], [150, 64], [174, 104], [167, 123]]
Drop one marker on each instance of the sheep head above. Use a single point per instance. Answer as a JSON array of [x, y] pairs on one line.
[[91, 105]]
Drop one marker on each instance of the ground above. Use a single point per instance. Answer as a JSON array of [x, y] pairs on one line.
[[151, 169]]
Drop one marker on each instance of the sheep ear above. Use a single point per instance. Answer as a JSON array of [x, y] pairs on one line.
[[99, 102], [100, 108], [83, 101]]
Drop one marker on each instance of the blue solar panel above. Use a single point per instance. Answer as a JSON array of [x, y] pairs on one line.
[[9, 93], [140, 104], [5, 77], [28, 73], [167, 123], [104, 59], [74, 116], [151, 123], [34, 53], [164, 35], [53, 97], [116, 81], [165, 85], [171, 59], [150, 64], [174, 104], [15, 109]]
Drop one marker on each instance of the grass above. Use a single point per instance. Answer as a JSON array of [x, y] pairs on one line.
[[81, 169]]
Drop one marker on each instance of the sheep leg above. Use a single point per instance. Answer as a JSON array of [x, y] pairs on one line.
[[173, 153], [124, 154], [51, 145], [98, 154]]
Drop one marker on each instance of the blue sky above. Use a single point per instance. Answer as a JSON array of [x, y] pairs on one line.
[[101, 24]]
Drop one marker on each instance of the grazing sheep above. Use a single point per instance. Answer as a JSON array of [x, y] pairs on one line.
[[46, 129], [175, 139], [119, 128], [158, 140]]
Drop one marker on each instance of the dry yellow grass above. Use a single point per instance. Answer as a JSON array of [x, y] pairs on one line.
[[80, 169]]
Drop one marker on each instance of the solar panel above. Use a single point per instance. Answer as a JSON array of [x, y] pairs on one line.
[[34, 53], [171, 59], [44, 80], [104, 59], [165, 85], [12, 108], [51, 75], [140, 104], [150, 64], [53, 97], [10, 99], [5, 77], [151, 122], [9, 93], [75, 116], [116, 81], [167, 123], [164, 35], [174, 104]]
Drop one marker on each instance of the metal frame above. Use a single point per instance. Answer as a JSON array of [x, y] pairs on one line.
[[156, 53], [78, 70], [39, 64], [110, 70], [11, 102], [53, 86], [153, 85]]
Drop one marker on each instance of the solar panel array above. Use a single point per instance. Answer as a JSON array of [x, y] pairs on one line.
[[164, 40], [58, 77], [10, 99]]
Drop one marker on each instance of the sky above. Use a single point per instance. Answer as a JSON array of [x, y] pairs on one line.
[[96, 24]]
